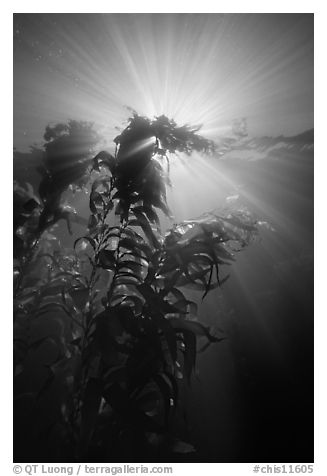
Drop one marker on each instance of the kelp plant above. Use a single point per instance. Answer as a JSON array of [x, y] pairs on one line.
[[128, 335]]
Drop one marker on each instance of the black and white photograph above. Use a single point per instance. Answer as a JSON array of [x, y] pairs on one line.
[[163, 239]]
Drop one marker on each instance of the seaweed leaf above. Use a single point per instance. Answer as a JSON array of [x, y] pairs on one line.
[[88, 239]]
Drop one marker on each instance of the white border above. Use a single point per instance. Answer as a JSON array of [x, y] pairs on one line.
[[136, 6]]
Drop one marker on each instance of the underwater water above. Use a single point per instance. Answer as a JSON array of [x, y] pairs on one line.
[[250, 396], [255, 388]]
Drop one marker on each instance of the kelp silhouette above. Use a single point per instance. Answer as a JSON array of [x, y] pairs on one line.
[[128, 336]]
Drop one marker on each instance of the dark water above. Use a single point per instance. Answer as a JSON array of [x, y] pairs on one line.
[[253, 400]]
